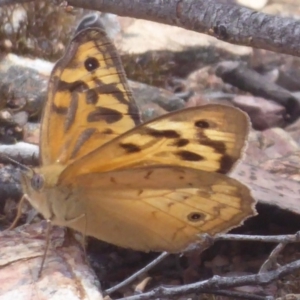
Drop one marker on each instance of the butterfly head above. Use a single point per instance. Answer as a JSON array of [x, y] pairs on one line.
[[37, 184], [30, 178]]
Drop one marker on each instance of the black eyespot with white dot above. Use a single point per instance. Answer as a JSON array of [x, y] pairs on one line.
[[195, 217], [91, 64], [37, 182], [202, 124]]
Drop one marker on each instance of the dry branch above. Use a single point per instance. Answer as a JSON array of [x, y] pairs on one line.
[[230, 23], [227, 22], [218, 282], [213, 285], [285, 238], [12, 2], [134, 276]]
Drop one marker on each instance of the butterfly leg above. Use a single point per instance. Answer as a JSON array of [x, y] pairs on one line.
[[83, 240], [19, 212], [49, 226], [73, 220]]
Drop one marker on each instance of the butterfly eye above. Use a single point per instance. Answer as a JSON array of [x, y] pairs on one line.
[[37, 181], [91, 64], [195, 217]]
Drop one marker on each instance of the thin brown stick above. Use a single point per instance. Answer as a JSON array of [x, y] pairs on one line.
[[238, 295], [134, 276], [281, 239], [288, 238], [217, 283], [271, 262]]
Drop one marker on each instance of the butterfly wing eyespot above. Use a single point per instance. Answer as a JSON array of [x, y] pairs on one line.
[[196, 217], [37, 181], [202, 124], [91, 64]]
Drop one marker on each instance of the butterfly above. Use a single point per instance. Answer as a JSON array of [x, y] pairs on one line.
[[155, 186]]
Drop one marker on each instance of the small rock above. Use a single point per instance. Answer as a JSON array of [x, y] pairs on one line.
[[151, 111], [145, 94], [263, 113]]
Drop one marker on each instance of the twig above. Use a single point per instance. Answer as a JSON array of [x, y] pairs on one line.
[[212, 285], [134, 276], [217, 283], [228, 22], [238, 295], [272, 259], [288, 238], [13, 2]]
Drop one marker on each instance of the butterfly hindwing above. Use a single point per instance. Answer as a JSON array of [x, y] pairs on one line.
[[159, 208]]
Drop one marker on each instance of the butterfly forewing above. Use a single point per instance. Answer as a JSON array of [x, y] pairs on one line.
[[89, 101], [209, 138]]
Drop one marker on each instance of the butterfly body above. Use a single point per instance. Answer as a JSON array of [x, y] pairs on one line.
[[150, 187]]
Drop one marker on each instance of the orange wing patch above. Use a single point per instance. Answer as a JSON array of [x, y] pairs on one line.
[[89, 103], [204, 138]]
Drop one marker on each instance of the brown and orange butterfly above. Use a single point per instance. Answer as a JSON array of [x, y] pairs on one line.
[[151, 187]]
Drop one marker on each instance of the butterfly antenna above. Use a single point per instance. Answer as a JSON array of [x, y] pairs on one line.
[[22, 166]]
